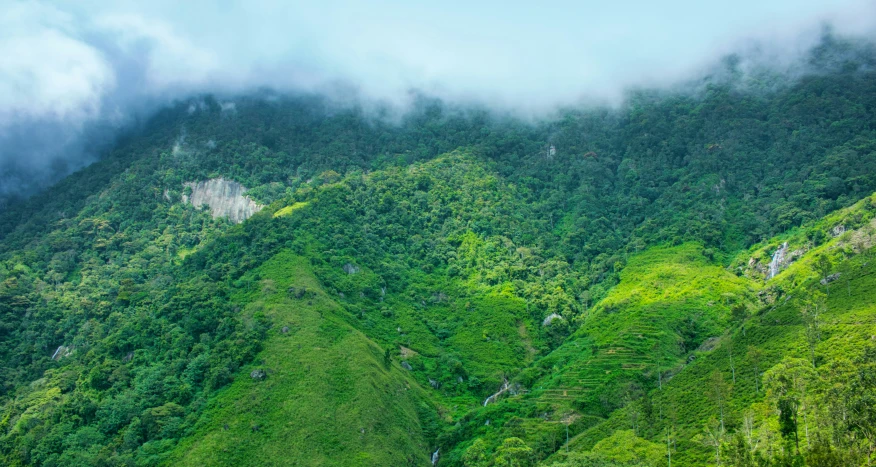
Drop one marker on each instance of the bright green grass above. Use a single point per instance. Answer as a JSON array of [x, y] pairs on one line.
[[777, 331], [290, 209], [669, 300], [183, 252], [328, 398]]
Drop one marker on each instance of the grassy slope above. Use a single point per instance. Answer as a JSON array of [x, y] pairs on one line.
[[669, 299], [328, 398], [668, 302], [777, 330]]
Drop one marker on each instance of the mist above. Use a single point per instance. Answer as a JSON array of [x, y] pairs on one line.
[[74, 73]]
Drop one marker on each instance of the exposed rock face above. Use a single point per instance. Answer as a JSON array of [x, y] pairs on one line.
[[550, 319], [225, 198], [830, 278]]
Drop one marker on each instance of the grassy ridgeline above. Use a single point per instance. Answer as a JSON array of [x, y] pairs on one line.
[[327, 397]]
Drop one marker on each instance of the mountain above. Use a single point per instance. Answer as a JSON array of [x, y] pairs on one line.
[[285, 280]]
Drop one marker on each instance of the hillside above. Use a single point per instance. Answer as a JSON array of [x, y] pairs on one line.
[[289, 281], [319, 392], [807, 340]]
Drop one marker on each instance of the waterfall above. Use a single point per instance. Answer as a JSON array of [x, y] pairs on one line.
[[776, 262], [435, 457], [504, 388]]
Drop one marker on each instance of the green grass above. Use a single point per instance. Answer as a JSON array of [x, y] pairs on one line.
[[669, 300], [777, 330], [328, 398], [290, 209]]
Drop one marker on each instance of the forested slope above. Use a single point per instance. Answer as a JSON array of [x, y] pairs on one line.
[[444, 281]]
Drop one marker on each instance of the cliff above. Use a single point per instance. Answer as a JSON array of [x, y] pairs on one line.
[[225, 198]]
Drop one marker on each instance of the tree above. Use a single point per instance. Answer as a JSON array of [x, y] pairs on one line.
[[786, 386], [625, 448], [719, 389], [730, 352], [476, 454], [514, 453], [815, 305], [824, 266], [862, 400], [754, 356], [713, 436]]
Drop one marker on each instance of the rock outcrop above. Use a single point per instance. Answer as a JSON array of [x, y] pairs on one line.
[[225, 198]]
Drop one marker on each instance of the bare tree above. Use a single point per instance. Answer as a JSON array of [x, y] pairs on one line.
[[718, 393], [755, 356], [713, 436]]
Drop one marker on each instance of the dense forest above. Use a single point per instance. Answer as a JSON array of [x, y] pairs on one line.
[[685, 279]]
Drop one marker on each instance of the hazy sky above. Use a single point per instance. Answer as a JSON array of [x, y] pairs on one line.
[[66, 63]]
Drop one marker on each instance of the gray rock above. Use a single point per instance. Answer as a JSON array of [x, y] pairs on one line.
[[550, 319], [351, 268], [406, 365], [830, 278], [258, 374], [225, 198], [285, 329]]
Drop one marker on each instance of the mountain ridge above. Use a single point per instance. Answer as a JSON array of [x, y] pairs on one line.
[[452, 254]]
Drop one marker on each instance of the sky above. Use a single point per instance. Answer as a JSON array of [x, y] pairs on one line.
[[69, 65]]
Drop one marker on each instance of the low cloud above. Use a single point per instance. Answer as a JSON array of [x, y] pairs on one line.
[[68, 67]]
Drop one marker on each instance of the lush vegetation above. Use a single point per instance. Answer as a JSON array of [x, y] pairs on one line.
[[443, 281]]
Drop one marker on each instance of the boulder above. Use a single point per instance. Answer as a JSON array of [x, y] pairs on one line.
[[830, 278]]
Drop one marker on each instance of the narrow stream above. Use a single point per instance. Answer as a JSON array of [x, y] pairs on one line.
[[505, 387]]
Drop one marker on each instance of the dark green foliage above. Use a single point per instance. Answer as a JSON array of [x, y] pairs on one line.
[[612, 292]]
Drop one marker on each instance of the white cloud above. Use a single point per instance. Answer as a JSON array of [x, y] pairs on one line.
[[71, 62], [512, 54], [172, 59], [46, 71]]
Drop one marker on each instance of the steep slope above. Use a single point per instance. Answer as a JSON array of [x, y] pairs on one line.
[[670, 302], [726, 404], [225, 198], [580, 285], [319, 392]]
